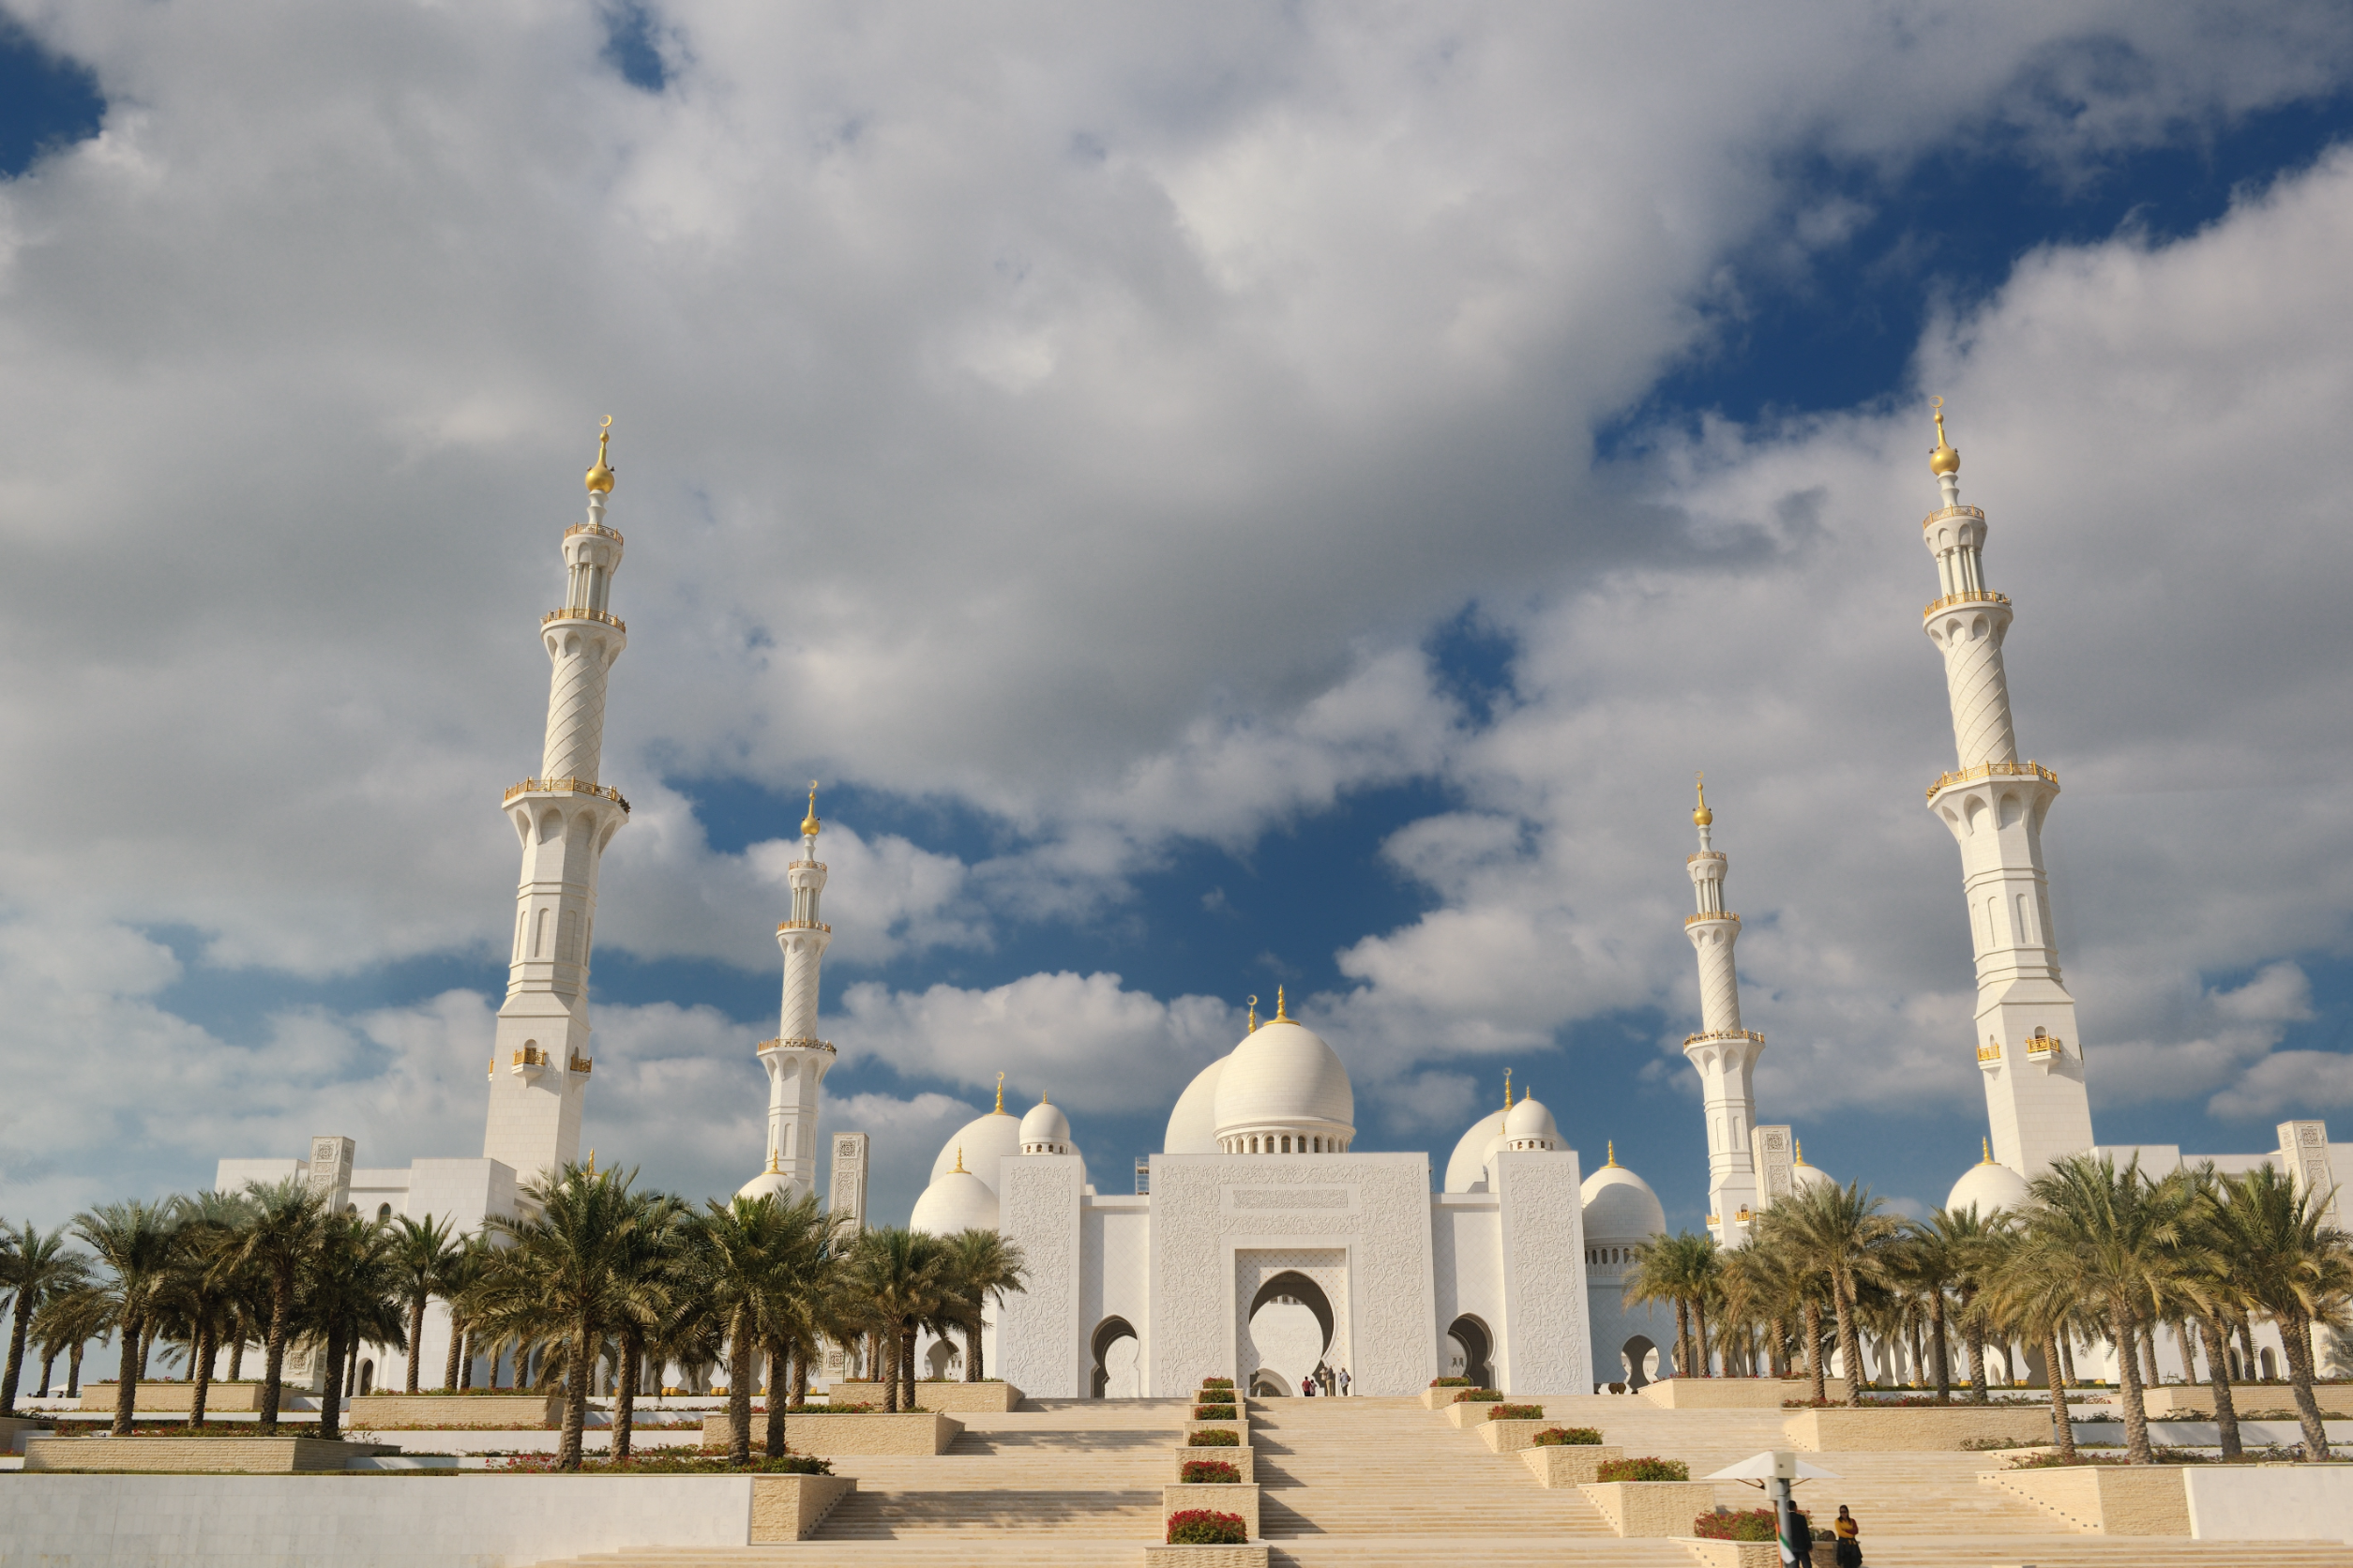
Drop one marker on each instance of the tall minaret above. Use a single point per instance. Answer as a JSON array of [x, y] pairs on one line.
[[1723, 1053], [1994, 804], [796, 1059], [539, 1062]]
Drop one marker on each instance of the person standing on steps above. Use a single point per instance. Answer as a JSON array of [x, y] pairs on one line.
[[1848, 1553], [1344, 1383]]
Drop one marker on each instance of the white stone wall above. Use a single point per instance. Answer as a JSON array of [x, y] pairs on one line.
[[1467, 1265], [1116, 1242], [1041, 1342], [1545, 1346]]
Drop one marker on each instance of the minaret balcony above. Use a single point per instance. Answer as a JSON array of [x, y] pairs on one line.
[[784, 925], [1975, 596], [1951, 512], [1715, 1035], [1990, 770], [798, 1041], [615, 622], [599, 529], [1711, 914], [567, 786]]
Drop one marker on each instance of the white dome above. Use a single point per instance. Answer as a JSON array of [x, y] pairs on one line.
[[1985, 1188], [1529, 1121], [1045, 1129], [1467, 1167], [1620, 1206], [1806, 1175], [983, 1142], [1284, 1076], [959, 1200], [1193, 1124], [768, 1184]]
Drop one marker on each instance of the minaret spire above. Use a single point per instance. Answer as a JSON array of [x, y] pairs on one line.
[[565, 819], [796, 1059], [1994, 805], [1724, 1054]]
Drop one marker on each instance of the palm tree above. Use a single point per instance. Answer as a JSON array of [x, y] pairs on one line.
[[2116, 1235], [349, 1295], [134, 1241], [736, 1252], [900, 1274], [1840, 1234], [2217, 1297], [1970, 1240], [1674, 1269], [460, 1285], [1932, 1263], [981, 1264], [39, 1268], [198, 1299], [84, 1313], [2293, 1265], [2031, 1293], [422, 1252], [282, 1232]]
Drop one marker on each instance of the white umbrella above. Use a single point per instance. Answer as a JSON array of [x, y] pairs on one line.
[[1774, 1465]]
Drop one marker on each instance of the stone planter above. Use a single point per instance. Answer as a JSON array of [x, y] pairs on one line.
[[908, 1432], [15, 1431], [1651, 1508], [1733, 1554], [1467, 1416], [1224, 1498], [505, 1412], [788, 1507], [229, 1398], [1570, 1464], [1438, 1398], [1240, 1459], [1510, 1436], [2196, 1400], [1735, 1394], [1205, 1557], [952, 1398], [198, 1456], [1916, 1429], [2106, 1500], [1239, 1425]]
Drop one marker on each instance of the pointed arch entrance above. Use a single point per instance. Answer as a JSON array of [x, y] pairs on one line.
[[1116, 1371], [1471, 1350], [1291, 1323]]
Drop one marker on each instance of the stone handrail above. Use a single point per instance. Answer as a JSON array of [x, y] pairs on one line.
[[612, 534], [1705, 915], [1706, 1035], [1977, 512], [567, 786], [799, 1042]]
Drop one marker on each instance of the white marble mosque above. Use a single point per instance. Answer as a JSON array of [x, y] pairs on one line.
[[1262, 1242]]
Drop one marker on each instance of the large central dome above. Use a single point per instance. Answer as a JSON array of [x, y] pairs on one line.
[[1283, 1091]]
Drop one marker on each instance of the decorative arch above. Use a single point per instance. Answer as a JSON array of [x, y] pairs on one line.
[[1637, 1353], [1478, 1348], [1107, 1333]]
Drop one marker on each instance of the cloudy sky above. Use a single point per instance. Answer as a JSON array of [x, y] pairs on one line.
[[1224, 496]]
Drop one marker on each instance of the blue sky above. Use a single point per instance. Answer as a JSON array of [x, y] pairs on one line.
[[1244, 502]]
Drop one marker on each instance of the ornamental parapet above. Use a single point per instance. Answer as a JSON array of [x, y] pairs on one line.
[[1977, 512], [1991, 770], [1989, 1051], [615, 622], [597, 528], [799, 1042], [1711, 914], [1975, 596], [567, 786], [784, 925], [2041, 1043], [1712, 1035]]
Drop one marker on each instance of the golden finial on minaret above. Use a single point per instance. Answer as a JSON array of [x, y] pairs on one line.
[[1280, 1017], [1703, 817], [959, 1161], [773, 1168], [1507, 1088], [1801, 1149], [810, 824], [1001, 1098], [1985, 1147], [592, 1162], [600, 476], [1942, 457], [1613, 1151], [1254, 1016]]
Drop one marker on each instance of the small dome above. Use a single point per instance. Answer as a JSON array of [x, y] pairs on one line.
[[982, 1142], [1284, 1076], [1045, 1130], [1620, 1206], [1467, 1167], [1193, 1124], [771, 1182], [1986, 1187], [959, 1200], [1530, 1122]]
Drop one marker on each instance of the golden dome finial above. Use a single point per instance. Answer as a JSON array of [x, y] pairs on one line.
[[1507, 1088], [592, 1160], [959, 1161], [773, 1168], [1801, 1148], [1942, 458], [1985, 1147], [1702, 817], [600, 476], [1254, 1016], [810, 824], [1001, 1096], [1280, 1017], [1613, 1151]]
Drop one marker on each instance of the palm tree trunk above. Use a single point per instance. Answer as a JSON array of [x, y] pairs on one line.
[[907, 1362], [48, 1363], [331, 1401], [576, 1379], [416, 1338], [126, 1385], [449, 1365], [237, 1351], [739, 1390], [625, 1396], [972, 1348], [775, 1402], [1941, 1347], [1814, 1348], [1974, 1337], [800, 1377], [2218, 1379], [274, 1361], [200, 1375], [2149, 1357], [73, 1370], [2295, 1339], [19, 1320], [1849, 1341], [2246, 1349], [2062, 1423], [2129, 1388], [885, 1366], [1699, 1325], [1682, 1338]]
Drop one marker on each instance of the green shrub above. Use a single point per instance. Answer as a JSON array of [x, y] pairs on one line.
[[1746, 1524], [1217, 1383], [1205, 1527], [1648, 1469], [1517, 1412], [1450, 1382], [1569, 1436], [1215, 1437], [1215, 1412], [1196, 1471], [1475, 1396]]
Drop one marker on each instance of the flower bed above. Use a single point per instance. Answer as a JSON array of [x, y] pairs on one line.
[[1195, 1471], [1649, 1467], [1517, 1412], [1206, 1526], [1558, 1437], [704, 1461], [1226, 1383], [1450, 1382], [1475, 1396], [1215, 1412], [1216, 1439]]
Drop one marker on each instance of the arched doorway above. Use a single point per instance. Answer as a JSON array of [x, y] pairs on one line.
[[1471, 1350], [943, 1359], [1118, 1361], [1641, 1358], [1291, 1327]]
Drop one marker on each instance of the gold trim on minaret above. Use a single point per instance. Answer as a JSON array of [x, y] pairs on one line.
[[809, 824], [600, 476], [1702, 817], [1942, 458]]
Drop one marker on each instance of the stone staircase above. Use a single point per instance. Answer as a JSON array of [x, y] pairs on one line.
[[1384, 1483]]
